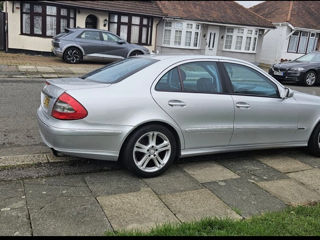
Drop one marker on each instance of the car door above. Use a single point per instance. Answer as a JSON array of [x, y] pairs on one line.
[[112, 46], [261, 116], [90, 41], [193, 95]]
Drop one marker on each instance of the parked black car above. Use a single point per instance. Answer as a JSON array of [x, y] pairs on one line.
[[305, 69]]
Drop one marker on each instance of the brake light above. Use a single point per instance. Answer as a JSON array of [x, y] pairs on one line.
[[68, 108]]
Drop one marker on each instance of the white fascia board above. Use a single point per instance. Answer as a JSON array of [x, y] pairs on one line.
[[217, 24]]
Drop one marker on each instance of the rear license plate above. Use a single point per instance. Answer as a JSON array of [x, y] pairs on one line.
[[278, 73]]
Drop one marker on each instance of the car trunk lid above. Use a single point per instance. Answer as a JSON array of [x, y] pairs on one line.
[[55, 87]]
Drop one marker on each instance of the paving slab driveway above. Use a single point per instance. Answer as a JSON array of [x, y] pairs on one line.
[[234, 185]]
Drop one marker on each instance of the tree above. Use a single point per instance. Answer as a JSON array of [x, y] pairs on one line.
[[1, 5]]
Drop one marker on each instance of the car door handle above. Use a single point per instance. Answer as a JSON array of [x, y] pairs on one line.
[[178, 103], [242, 105]]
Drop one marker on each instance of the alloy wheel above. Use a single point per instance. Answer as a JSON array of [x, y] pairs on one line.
[[73, 56], [151, 151], [310, 79]]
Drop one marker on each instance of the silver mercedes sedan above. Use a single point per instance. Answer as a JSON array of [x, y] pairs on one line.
[[147, 111]]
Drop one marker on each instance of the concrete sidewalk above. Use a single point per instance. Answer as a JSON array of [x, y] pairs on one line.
[[27, 71], [14, 65], [236, 186]]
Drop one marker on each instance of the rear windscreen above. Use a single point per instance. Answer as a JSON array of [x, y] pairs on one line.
[[120, 70]]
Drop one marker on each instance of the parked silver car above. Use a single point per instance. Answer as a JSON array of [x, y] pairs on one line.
[[77, 44], [149, 110]]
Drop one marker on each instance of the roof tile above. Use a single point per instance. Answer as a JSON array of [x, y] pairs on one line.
[[303, 14], [213, 11]]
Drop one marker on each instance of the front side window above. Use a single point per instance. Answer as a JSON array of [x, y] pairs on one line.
[[241, 40], [45, 20], [134, 29], [247, 81], [181, 34], [109, 37], [118, 71], [196, 77]]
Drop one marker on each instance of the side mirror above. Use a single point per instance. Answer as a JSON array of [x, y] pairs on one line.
[[287, 93], [121, 41]]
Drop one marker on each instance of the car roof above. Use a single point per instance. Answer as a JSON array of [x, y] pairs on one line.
[[178, 58], [89, 29]]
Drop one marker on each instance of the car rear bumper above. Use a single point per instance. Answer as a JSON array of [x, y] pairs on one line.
[[57, 52], [103, 144]]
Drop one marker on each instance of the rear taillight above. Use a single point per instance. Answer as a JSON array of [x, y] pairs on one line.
[[68, 108]]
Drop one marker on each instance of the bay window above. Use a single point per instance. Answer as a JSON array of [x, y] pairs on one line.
[[240, 40], [181, 34], [45, 20], [302, 42], [132, 28]]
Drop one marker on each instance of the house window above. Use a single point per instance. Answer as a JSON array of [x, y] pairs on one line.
[[177, 37], [134, 29], [312, 42], [181, 34], [293, 42], [302, 42], [45, 20], [240, 40]]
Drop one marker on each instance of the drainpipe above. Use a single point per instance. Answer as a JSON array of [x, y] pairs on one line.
[[6, 26], [156, 36]]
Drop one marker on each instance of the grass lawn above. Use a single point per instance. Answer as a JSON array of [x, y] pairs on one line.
[[297, 221]]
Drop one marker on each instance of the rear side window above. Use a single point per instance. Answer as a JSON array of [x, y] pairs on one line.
[[90, 35], [120, 70], [197, 77], [170, 82], [247, 81]]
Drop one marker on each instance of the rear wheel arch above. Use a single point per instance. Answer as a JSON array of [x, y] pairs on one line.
[[166, 125], [132, 52]]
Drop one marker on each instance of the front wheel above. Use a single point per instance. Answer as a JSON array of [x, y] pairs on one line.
[[310, 78], [314, 142], [150, 151]]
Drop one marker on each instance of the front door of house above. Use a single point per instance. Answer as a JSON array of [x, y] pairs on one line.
[[212, 40]]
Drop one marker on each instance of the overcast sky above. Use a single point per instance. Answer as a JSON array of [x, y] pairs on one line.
[[248, 4]]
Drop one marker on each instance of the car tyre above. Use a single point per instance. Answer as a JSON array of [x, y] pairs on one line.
[[72, 55], [314, 142], [149, 151], [310, 78]]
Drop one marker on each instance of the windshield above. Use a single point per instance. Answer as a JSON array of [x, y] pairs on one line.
[[311, 57], [120, 70]]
